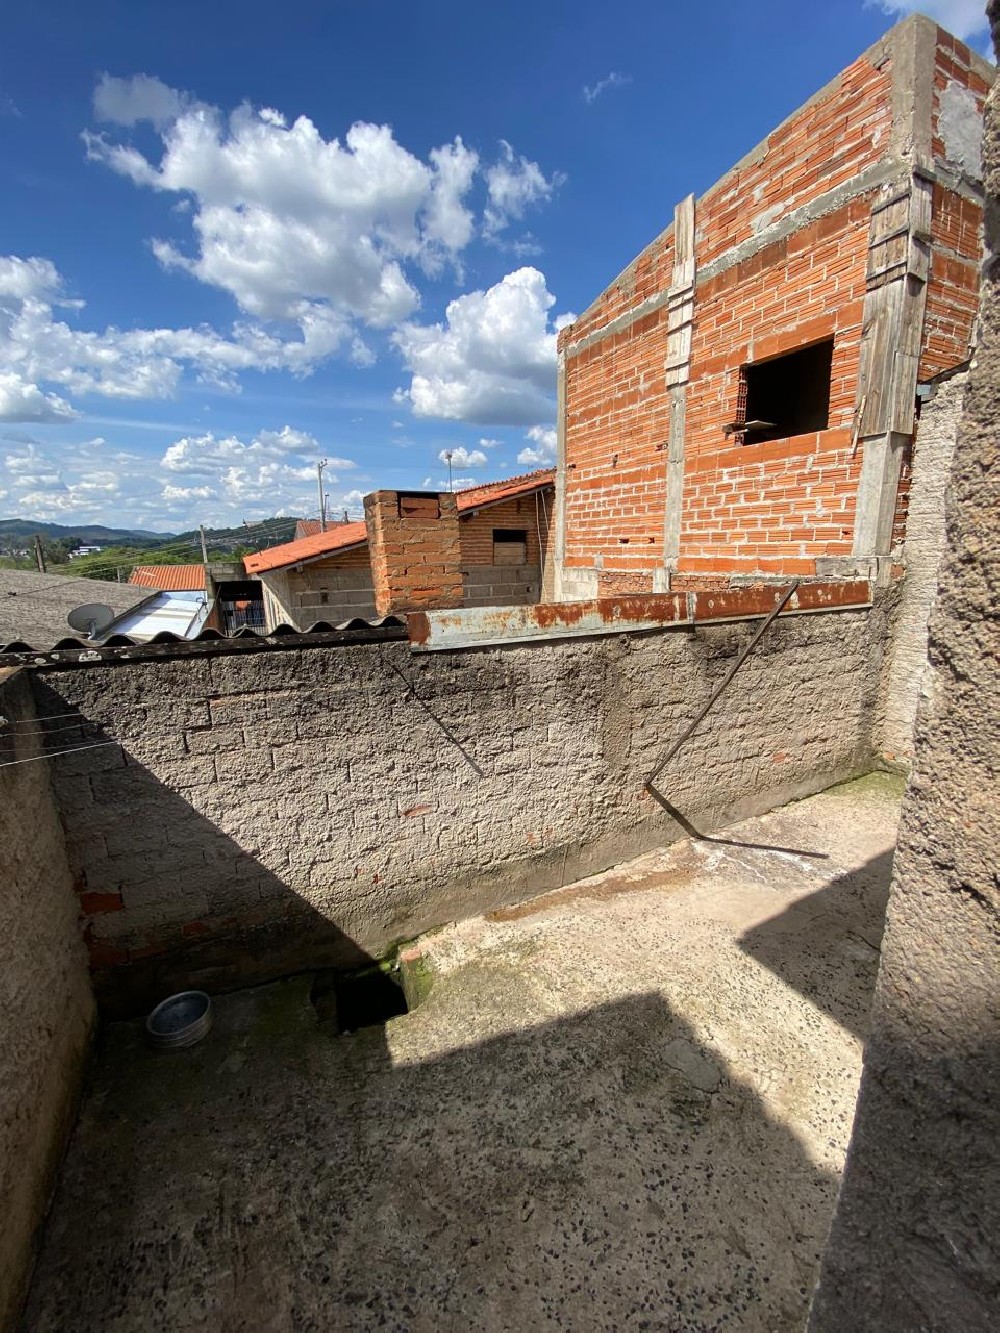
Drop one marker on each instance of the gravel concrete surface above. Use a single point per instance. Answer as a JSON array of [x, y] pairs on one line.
[[622, 1105]]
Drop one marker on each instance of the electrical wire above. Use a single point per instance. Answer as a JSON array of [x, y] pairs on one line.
[[54, 754]]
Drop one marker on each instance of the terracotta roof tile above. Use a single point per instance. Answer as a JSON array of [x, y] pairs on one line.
[[334, 539], [169, 578], [343, 535]]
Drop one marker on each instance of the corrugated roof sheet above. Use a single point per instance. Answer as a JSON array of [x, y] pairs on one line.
[[19, 651], [169, 578], [180, 611], [34, 607], [345, 535]]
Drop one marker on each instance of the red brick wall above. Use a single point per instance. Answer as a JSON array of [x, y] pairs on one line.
[[476, 533], [770, 508], [775, 506], [953, 287], [414, 547]]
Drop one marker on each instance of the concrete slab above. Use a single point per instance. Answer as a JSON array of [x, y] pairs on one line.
[[623, 1105]]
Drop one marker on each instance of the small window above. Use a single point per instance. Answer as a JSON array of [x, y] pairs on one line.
[[510, 546], [787, 395]]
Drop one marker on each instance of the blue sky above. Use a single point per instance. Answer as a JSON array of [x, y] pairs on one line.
[[238, 237]]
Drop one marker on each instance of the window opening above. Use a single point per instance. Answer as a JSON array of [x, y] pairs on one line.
[[510, 546], [786, 395]]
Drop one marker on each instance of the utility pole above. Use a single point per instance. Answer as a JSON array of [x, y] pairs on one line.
[[322, 498], [204, 546], [39, 554], [451, 484]]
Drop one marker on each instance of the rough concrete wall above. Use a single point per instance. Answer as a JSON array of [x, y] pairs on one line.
[[283, 809], [922, 553], [46, 1007], [915, 1240], [501, 585]]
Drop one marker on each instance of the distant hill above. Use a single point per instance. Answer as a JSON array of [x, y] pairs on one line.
[[85, 532], [267, 532]]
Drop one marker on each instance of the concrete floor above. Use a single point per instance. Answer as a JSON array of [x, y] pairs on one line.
[[624, 1105]]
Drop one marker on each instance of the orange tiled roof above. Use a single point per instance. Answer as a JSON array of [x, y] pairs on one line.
[[343, 535], [307, 548], [169, 578], [492, 492]]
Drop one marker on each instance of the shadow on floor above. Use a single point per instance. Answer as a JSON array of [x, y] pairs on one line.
[[840, 928], [593, 1172]]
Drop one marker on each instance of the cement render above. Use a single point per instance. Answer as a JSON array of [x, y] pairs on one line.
[[46, 1007], [281, 811], [916, 1240], [922, 553], [623, 1105]]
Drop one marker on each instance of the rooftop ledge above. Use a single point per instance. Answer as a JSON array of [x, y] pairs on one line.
[[473, 627]]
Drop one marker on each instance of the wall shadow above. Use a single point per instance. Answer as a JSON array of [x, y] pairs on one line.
[[837, 930], [170, 900], [595, 1171]]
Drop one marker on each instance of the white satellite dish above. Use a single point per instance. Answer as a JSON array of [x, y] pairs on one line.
[[92, 619]]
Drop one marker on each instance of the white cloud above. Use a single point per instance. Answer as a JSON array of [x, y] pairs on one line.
[[492, 361], [21, 401], [489, 444], [298, 227], [613, 80], [513, 185], [37, 348], [542, 451], [129, 101], [964, 18], [462, 457], [218, 480]]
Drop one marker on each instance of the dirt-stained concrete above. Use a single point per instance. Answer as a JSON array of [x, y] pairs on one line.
[[625, 1106]]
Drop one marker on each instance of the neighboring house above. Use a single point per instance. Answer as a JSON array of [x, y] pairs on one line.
[[489, 549], [85, 550], [34, 607], [169, 578], [230, 600], [741, 400]]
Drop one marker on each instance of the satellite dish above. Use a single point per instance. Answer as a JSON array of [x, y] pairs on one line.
[[92, 619]]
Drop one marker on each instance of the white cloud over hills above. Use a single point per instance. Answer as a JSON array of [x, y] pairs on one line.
[[218, 480]]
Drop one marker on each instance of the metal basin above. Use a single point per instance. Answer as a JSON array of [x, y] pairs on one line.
[[180, 1020]]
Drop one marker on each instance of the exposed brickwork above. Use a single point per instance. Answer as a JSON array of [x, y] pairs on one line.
[[953, 289], [782, 253], [526, 514], [413, 543]]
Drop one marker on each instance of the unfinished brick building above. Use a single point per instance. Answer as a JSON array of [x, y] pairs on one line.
[[484, 546], [740, 403]]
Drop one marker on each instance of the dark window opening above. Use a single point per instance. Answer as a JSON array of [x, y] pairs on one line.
[[510, 546], [788, 395], [241, 604]]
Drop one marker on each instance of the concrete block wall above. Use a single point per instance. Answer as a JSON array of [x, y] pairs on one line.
[[501, 585], [651, 490], [326, 590], [284, 809], [46, 1004]]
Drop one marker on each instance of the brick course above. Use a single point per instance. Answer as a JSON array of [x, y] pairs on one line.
[[781, 258]]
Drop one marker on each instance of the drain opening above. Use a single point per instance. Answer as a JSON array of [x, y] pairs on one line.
[[353, 1000]]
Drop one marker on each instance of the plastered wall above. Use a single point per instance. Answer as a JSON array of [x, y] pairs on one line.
[[46, 1006], [275, 810]]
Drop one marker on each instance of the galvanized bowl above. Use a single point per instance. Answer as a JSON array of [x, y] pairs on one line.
[[180, 1020]]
